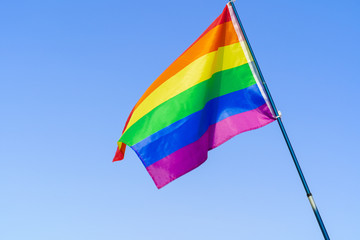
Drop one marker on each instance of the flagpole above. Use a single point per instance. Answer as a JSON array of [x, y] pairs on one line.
[[287, 140]]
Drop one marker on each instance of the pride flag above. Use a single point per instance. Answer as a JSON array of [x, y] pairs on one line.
[[211, 93]]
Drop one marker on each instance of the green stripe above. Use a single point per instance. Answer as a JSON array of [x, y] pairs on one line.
[[188, 102]]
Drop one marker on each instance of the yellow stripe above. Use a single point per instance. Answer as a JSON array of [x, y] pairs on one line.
[[196, 72]]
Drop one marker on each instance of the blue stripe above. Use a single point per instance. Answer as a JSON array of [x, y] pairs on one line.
[[192, 127]]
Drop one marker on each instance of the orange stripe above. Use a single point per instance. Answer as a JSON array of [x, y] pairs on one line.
[[220, 36], [223, 18]]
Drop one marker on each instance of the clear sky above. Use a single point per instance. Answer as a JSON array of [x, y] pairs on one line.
[[70, 72]]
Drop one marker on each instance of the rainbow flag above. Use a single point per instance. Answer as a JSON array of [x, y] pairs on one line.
[[211, 93]]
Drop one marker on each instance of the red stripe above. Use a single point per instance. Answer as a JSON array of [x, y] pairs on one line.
[[120, 153]]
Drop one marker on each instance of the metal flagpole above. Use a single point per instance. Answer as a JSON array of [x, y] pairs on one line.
[[287, 140]]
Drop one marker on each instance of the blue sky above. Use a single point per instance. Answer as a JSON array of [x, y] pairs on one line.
[[70, 72]]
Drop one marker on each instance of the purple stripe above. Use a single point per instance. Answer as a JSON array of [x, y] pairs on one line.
[[189, 129], [193, 155]]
